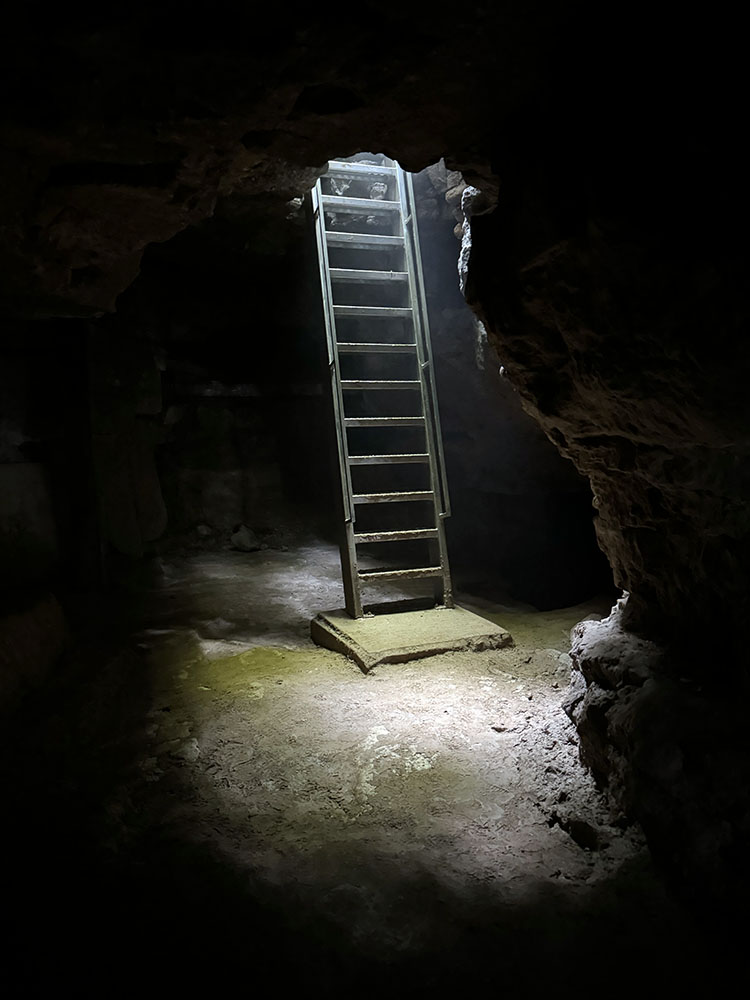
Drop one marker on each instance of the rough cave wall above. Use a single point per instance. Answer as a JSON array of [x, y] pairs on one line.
[[610, 278], [610, 275], [621, 331], [522, 519], [232, 314]]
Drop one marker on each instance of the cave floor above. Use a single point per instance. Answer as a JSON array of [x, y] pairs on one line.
[[224, 796]]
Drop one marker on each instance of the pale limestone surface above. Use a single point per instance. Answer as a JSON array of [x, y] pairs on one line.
[[406, 635]]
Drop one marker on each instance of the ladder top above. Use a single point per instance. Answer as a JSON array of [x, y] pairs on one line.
[[338, 169]]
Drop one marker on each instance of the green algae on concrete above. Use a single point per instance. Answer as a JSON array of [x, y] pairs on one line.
[[406, 635]]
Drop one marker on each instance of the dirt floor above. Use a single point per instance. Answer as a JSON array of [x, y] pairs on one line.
[[206, 794]]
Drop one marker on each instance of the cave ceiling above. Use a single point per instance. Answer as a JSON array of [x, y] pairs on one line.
[[121, 133]]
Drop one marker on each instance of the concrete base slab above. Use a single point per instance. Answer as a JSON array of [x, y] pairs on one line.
[[407, 635]]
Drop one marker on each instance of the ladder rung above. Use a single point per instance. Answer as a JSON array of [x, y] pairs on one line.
[[382, 312], [363, 241], [396, 536], [384, 421], [338, 169], [358, 206], [388, 459], [354, 274], [351, 383], [346, 347], [401, 574], [392, 497]]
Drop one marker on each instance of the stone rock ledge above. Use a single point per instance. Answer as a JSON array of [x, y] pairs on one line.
[[668, 752]]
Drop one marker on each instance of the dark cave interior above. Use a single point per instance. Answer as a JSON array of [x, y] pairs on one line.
[[169, 508]]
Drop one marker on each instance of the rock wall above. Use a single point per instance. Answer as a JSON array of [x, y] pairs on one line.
[[205, 405], [608, 278], [522, 519], [604, 335], [668, 750], [238, 431]]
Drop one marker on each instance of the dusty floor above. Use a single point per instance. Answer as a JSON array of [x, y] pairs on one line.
[[226, 798]]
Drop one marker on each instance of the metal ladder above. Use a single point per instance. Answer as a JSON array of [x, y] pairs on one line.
[[387, 425]]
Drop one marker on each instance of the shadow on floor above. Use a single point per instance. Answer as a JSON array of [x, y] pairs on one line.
[[110, 894]]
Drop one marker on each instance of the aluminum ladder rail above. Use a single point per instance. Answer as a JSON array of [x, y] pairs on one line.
[[396, 199]]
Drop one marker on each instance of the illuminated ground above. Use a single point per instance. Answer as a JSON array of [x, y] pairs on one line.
[[229, 793]]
